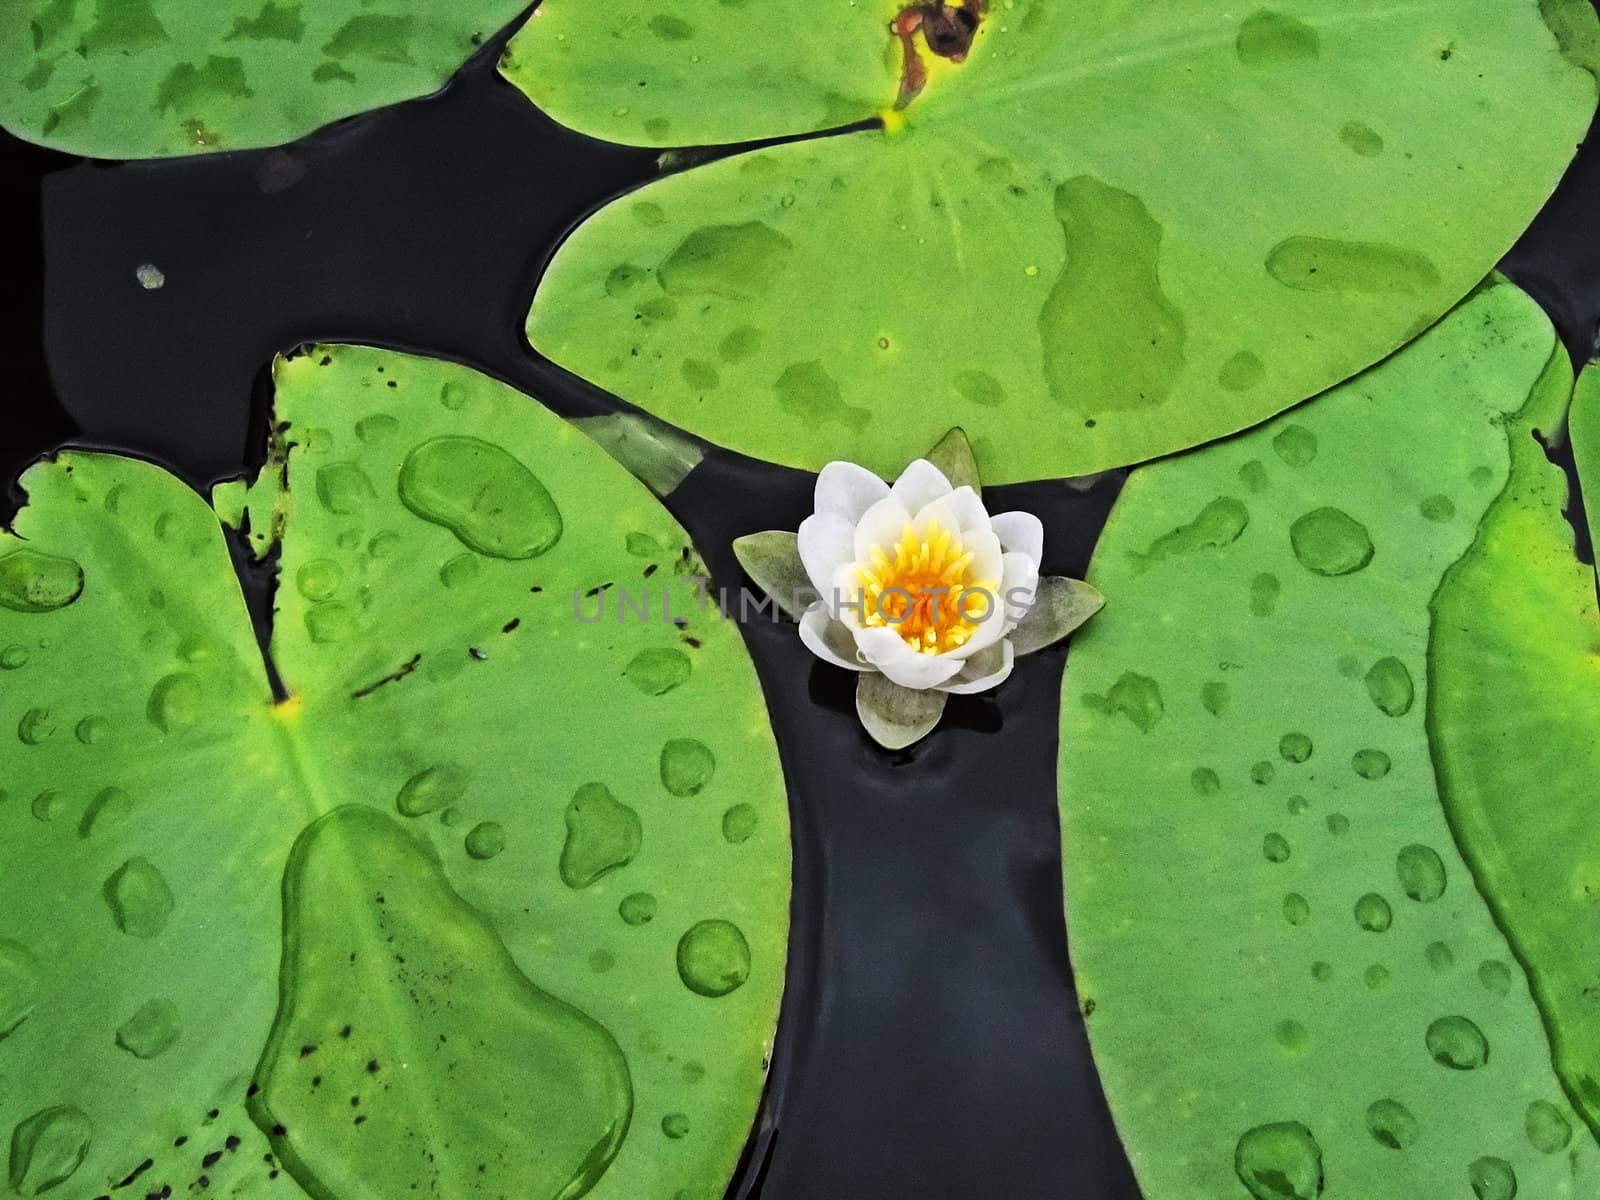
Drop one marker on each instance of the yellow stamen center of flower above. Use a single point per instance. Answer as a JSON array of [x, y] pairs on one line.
[[922, 589]]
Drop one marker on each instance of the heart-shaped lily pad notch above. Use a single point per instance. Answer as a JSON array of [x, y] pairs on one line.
[[150, 78], [1292, 984], [337, 942], [1515, 727], [1091, 233]]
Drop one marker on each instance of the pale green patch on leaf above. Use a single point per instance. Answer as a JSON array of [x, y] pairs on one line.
[[896, 716], [1111, 233], [151, 78], [1292, 984], [376, 930]]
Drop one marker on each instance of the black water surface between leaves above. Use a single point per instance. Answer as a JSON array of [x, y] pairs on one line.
[[930, 1045]]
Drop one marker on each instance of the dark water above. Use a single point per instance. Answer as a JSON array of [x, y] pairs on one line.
[[930, 1045]]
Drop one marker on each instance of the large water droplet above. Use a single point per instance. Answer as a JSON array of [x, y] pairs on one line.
[[480, 493], [1318, 264], [739, 823], [687, 765], [1547, 1127], [485, 840], [1373, 913], [319, 579], [735, 262], [1391, 1123], [19, 985], [47, 1148], [1294, 747], [1296, 909], [1492, 1179], [1457, 1043], [175, 703], [46, 804], [1389, 684], [1275, 847], [1135, 696], [1205, 781], [1438, 508], [1370, 764], [1218, 524], [152, 1030], [657, 671], [109, 808], [639, 908], [1241, 373], [1280, 1161], [386, 965], [459, 571], [602, 835], [1329, 541], [36, 725], [1495, 976], [431, 789], [1296, 445], [377, 428], [713, 958], [1264, 590], [32, 581], [139, 898], [91, 730], [675, 1125], [13, 658], [1421, 873], [344, 489]]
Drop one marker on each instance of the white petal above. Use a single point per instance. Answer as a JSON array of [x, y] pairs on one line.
[[956, 512], [886, 650], [1019, 585], [847, 490], [999, 659], [919, 484], [988, 560], [881, 525], [1020, 533], [844, 597], [829, 640], [825, 542], [1016, 573]]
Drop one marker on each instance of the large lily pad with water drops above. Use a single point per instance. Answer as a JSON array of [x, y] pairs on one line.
[[1293, 983], [492, 899], [1515, 725], [1113, 231], [148, 78]]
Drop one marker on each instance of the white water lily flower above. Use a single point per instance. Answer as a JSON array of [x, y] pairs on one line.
[[918, 581], [923, 593]]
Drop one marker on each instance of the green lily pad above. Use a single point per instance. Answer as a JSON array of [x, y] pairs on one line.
[[150, 78], [335, 944], [1112, 232], [1515, 727], [1292, 984]]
